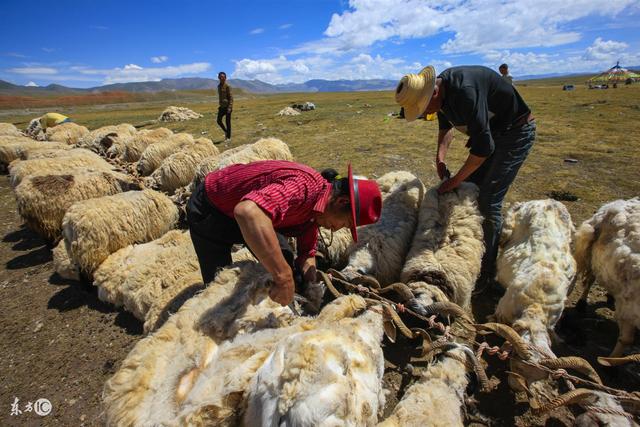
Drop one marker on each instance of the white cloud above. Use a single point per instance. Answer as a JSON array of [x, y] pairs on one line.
[[16, 55], [256, 31], [602, 50], [477, 25], [48, 49], [32, 84], [285, 26], [36, 71], [159, 59], [136, 73]]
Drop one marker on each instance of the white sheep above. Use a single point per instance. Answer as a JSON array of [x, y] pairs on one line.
[[9, 129], [608, 251], [69, 133], [152, 156], [139, 142], [63, 265], [95, 228], [336, 254], [536, 267], [179, 169], [160, 372], [17, 147], [382, 247], [444, 261], [94, 139], [43, 199], [329, 375]]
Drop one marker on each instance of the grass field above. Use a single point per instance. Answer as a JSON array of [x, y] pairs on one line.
[[596, 127]]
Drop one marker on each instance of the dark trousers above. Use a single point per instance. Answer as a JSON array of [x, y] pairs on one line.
[[222, 112], [494, 177], [214, 233]]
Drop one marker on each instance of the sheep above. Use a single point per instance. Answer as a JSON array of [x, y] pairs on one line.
[[14, 148], [435, 399], [80, 158], [178, 114], [134, 148], [159, 373], [8, 129], [69, 133], [95, 228], [43, 199], [329, 375], [63, 265], [94, 140], [49, 153], [336, 254], [382, 247], [536, 267], [179, 169], [154, 154], [608, 251], [444, 261]]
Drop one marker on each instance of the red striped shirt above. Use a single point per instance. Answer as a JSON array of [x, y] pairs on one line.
[[291, 194]]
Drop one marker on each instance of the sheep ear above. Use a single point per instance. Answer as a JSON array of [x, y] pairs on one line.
[[389, 328]]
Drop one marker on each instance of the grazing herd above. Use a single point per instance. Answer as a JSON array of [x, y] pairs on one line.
[[223, 353]]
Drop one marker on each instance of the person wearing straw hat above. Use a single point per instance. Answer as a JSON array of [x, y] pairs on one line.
[[260, 203], [500, 129]]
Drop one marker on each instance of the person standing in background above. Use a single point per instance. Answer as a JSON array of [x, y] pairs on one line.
[[225, 105], [504, 72]]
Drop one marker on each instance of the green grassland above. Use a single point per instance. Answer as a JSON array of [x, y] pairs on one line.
[[596, 127]]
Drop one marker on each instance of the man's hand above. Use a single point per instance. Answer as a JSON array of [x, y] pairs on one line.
[[282, 292], [443, 171], [449, 185]]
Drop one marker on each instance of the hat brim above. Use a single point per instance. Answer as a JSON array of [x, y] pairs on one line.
[[414, 111], [353, 196]]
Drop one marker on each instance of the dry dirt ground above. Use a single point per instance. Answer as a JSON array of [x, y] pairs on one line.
[[59, 342]]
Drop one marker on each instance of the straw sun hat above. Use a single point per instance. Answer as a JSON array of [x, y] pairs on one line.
[[414, 92]]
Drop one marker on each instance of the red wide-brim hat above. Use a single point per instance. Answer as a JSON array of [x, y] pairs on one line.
[[366, 202]]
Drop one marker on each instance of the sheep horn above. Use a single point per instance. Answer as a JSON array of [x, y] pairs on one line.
[[521, 381], [446, 308], [397, 321], [399, 288], [574, 396], [630, 404], [573, 362], [389, 329], [366, 280], [336, 273], [508, 334], [617, 361], [432, 346], [477, 368], [327, 281]]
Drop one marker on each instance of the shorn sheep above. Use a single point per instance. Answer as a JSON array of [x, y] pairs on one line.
[[179, 169], [154, 154], [158, 375], [69, 133], [444, 261], [43, 199], [79, 159], [138, 143], [608, 251], [145, 278], [95, 228], [382, 247]]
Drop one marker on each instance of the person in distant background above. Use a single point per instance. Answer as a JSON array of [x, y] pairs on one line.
[[504, 72], [225, 105], [52, 119]]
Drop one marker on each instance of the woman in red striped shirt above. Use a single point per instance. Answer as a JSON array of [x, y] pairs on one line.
[[262, 202]]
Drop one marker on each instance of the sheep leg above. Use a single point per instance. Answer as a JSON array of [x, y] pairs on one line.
[[581, 305], [625, 339]]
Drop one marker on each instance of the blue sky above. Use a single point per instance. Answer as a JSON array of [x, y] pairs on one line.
[[91, 43]]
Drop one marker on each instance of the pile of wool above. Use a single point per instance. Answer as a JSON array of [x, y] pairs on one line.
[[288, 111], [97, 142], [9, 129], [146, 279], [179, 169], [69, 133], [44, 199], [178, 114], [16, 147], [136, 145], [94, 229], [74, 159], [154, 154]]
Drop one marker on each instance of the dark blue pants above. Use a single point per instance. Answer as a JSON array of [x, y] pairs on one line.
[[213, 234], [494, 177]]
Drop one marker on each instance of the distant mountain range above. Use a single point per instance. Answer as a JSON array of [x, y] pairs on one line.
[[199, 83]]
